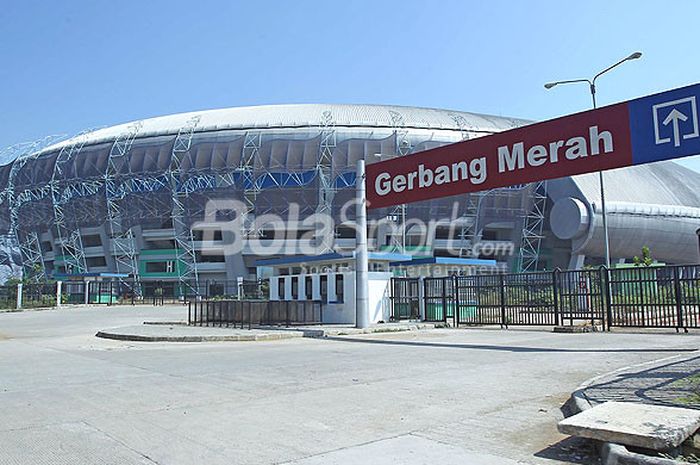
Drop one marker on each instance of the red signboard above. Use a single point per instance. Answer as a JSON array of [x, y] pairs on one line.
[[581, 143]]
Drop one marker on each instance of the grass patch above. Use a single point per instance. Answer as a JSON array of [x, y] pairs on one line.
[[692, 385]]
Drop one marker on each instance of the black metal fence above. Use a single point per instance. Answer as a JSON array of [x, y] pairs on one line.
[[38, 295], [655, 297], [127, 292], [175, 291], [156, 292], [645, 297], [8, 297], [249, 313], [405, 300]]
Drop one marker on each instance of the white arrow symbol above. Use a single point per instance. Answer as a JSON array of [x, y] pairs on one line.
[[674, 117]]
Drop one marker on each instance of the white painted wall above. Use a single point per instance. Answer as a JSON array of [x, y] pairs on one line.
[[343, 312]]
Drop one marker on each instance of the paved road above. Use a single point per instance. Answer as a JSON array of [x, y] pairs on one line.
[[438, 396]]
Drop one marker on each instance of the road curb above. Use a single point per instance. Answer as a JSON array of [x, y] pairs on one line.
[[265, 333], [195, 338], [611, 453]]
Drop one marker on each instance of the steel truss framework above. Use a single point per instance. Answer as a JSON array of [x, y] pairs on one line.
[[324, 172], [530, 210], [69, 239], [174, 194], [249, 157], [403, 147], [185, 256], [122, 242], [533, 226], [28, 243]]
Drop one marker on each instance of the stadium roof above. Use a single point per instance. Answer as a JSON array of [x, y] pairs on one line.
[[662, 183], [306, 115]]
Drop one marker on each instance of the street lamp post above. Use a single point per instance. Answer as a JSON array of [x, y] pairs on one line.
[[591, 86]]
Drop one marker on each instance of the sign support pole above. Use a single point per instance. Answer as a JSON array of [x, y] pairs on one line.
[[602, 195], [361, 261]]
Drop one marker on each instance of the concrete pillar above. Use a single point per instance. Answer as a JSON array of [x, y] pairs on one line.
[[332, 294], [301, 289], [274, 289], [59, 287], [316, 286], [19, 296], [287, 288], [577, 261]]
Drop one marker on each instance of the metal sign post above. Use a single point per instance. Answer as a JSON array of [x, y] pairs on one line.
[[361, 265]]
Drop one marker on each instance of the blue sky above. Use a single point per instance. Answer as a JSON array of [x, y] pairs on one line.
[[78, 64]]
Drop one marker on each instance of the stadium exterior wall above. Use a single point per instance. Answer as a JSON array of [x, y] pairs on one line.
[[125, 198]]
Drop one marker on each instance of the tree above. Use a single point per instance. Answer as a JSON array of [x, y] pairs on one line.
[[646, 259]]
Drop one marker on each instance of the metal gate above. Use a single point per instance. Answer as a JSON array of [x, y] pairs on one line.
[[581, 296], [438, 299], [512, 299], [405, 300]]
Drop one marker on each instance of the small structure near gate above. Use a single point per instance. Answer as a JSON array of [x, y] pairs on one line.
[[330, 279], [436, 267]]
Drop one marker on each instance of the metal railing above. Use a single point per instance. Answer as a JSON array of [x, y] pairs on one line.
[[38, 295], [644, 297], [654, 297], [250, 313], [404, 300]]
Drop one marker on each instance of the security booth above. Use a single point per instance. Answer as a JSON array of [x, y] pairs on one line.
[[330, 279], [92, 288], [437, 267]]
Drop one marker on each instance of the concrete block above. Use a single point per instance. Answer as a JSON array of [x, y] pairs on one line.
[[633, 424]]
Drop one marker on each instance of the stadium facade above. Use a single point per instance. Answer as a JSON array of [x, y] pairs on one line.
[[128, 198]]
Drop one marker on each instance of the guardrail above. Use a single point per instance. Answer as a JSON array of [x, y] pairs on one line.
[[249, 313]]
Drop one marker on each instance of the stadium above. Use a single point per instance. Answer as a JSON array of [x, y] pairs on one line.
[[127, 199]]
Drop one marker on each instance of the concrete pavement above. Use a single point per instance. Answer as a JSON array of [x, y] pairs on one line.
[[484, 396]]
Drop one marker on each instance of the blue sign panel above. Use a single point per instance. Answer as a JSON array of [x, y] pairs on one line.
[[665, 126]]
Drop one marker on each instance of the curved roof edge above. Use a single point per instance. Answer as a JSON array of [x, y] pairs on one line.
[[294, 116]]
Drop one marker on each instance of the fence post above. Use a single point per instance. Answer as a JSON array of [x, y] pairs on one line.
[[59, 289], [443, 281], [455, 291], [679, 304], [555, 289], [250, 314], [421, 297], [605, 277], [287, 307], [608, 296], [19, 296], [503, 300]]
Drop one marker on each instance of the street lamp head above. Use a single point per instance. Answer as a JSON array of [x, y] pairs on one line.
[[634, 56], [549, 85]]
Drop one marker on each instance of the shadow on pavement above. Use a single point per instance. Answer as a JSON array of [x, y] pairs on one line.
[[673, 384], [505, 348], [571, 450]]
